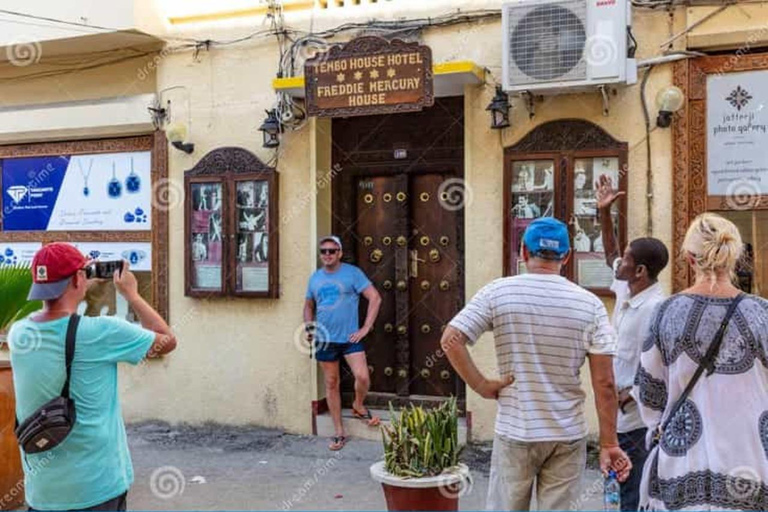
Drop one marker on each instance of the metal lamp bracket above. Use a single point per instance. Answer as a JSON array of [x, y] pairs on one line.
[[529, 99], [604, 95]]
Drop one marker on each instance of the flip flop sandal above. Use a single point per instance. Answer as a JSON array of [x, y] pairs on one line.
[[373, 421], [338, 443]]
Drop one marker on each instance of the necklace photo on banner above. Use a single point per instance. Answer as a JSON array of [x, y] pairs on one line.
[[132, 182], [114, 188], [85, 175]]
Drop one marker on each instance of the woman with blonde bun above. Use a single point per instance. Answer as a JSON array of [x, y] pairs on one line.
[[710, 445]]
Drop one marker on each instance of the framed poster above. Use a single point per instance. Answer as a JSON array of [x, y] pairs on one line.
[[231, 226], [252, 199], [205, 235], [84, 192]]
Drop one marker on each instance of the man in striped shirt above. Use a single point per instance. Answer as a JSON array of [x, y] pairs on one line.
[[544, 328]]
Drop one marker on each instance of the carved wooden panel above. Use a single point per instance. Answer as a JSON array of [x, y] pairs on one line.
[[697, 170], [680, 196], [229, 160], [566, 135]]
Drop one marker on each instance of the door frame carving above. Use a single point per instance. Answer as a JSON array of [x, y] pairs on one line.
[[689, 157]]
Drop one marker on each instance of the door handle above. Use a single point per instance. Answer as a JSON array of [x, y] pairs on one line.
[[415, 263]]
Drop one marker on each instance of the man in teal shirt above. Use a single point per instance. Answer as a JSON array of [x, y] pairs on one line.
[[91, 469], [330, 312]]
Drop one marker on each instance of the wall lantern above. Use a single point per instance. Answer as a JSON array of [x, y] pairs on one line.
[[669, 100], [271, 129], [499, 109], [176, 133]]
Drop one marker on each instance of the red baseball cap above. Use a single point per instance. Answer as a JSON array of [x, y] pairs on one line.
[[52, 268]]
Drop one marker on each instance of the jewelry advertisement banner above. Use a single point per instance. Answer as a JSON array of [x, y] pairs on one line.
[[92, 192]]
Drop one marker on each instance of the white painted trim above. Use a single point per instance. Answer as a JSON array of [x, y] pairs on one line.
[[76, 120]]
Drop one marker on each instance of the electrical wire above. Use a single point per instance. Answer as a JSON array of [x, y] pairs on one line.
[[649, 170]]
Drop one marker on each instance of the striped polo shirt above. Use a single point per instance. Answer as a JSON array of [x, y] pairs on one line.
[[543, 326]]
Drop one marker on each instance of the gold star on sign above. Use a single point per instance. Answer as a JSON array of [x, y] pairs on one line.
[[340, 77], [375, 73], [358, 75], [391, 72]]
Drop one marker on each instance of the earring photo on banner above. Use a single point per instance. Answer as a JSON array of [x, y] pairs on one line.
[[114, 187], [133, 181]]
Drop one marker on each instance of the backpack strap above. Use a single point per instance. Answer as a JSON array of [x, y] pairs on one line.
[[69, 351]]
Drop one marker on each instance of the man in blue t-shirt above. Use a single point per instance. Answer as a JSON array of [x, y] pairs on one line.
[[330, 313], [91, 469]]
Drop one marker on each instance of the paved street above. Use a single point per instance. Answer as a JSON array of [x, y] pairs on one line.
[[215, 468]]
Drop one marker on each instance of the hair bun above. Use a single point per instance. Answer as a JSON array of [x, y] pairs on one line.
[[724, 237]]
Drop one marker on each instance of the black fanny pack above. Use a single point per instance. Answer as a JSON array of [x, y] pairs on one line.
[[53, 421]]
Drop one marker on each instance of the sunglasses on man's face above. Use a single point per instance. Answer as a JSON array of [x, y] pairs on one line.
[[328, 251]]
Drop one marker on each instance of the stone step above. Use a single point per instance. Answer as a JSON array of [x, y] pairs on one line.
[[356, 428]]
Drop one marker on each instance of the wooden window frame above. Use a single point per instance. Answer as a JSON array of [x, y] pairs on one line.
[[227, 166], [157, 144], [689, 133], [563, 142]]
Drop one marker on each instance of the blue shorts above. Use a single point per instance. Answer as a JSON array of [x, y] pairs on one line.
[[330, 352]]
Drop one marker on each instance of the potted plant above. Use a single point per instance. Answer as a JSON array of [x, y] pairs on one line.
[[421, 469], [15, 282]]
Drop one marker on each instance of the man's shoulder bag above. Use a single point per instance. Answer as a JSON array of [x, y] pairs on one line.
[[53, 421], [706, 363]]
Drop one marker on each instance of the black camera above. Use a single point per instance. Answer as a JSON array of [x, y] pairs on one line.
[[103, 269]]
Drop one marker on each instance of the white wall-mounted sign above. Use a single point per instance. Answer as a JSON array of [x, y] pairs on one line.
[[18, 253], [95, 192], [737, 134], [138, 254]]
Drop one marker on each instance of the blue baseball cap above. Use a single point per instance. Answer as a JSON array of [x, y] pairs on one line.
[[547, 234]]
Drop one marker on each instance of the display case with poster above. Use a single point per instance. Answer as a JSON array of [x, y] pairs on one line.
[[252, 199], [531, 195], [231, 211], [205, 236], [590, 268], [553, 171]]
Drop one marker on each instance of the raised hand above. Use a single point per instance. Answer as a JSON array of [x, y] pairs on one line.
[[606, 194]]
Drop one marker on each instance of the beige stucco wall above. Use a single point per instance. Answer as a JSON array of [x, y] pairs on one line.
[[237, 360]]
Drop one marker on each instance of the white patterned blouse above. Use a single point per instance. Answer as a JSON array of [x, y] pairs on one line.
[[714, 453]]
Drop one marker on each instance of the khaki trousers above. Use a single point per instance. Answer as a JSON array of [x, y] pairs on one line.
[[554, 467]]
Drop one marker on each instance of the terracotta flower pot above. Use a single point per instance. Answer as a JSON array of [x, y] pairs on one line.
[[11, 475], [440, 492]]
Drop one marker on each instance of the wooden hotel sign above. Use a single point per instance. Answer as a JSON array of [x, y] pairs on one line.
[[369, 75]]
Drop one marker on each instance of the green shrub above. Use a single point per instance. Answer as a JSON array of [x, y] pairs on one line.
[[15, 282], [420, 443]]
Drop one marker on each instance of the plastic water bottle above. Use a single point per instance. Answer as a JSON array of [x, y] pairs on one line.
[[611, 493]]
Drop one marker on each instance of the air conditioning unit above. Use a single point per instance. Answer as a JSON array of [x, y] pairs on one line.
[[563, 46]]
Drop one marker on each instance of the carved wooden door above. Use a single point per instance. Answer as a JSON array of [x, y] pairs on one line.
[[406, 238]]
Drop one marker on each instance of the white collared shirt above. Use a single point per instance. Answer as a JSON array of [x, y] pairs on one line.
[[632, 321]]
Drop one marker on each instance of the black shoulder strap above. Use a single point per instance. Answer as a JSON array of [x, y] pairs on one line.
[[708, 361], [69, 350]]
